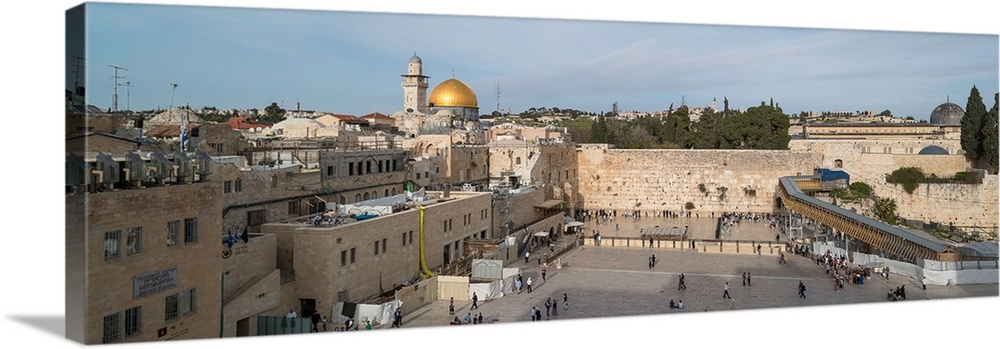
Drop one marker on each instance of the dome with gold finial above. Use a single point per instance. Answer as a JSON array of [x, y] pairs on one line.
[[452, 93]]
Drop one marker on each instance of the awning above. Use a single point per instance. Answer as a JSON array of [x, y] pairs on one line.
[[574, 224], [550, 204], [542, 234]]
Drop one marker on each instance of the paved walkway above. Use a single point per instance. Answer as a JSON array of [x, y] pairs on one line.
[[603, 282]]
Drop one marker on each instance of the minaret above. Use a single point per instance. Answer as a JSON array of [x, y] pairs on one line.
[[415, 86]]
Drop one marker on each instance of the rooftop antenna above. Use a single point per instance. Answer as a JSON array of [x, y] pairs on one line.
[[498, 96], [114, 98], [128, 95]]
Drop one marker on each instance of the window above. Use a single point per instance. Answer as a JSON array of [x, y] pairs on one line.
[[411, 237], [112, 328], [227, 187], [112, 242], [293, 208], [133, 241], [329, 171], [173, 233], [133, 321], [427, 174], [255, 218], [343, 258], [172, 307], [393, 191], [190, 230], [376, 247], [350, 170], [517, 161], [357, 197], [217, 147], [404, 238], [384, 242], [239, 185], [187, 302], [418, 175], [352, 255]]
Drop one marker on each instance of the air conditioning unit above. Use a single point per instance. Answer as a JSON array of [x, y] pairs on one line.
[[184, 168], [161, 169], [136, 171], [108, 170]]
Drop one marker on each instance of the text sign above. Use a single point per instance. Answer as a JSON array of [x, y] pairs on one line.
[[149, 283]]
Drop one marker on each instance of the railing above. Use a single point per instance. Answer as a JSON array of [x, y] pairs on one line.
[[700, 245]]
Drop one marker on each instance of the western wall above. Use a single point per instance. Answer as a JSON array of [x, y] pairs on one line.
[[662, 179]]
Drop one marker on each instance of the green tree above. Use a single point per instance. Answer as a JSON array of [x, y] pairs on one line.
[[762, 127], [909, 177], [885, 113], [862, 188], [885, 210], [988, 137], [273, 114], [972, 121]]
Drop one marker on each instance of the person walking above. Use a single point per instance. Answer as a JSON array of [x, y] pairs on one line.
[[744, 278], [539, 258], [529, 284], [548, 307], [758, 249], [517, 283], [802, 290], [565, 302], [475, 301], [543, 273], [451, 306], [725, 291], [748, 279], [681, 285], [923, 283], [526, 255]]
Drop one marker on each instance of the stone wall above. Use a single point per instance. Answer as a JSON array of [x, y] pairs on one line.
[[655, 180], [968, 206]]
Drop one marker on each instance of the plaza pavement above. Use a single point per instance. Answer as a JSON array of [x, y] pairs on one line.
[[606, 281]]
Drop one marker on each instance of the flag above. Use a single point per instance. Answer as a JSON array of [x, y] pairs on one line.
[[229, 239], [184, 134], [245, 236]]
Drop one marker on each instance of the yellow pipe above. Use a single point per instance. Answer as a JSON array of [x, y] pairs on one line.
[[423, 261]]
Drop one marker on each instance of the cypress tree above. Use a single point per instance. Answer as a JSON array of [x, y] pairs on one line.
[[988, 137], [972, 121]]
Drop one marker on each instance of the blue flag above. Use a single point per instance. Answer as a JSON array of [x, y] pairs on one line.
[[245, 236]]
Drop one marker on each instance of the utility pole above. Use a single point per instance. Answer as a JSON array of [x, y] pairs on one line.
[[114, 98]]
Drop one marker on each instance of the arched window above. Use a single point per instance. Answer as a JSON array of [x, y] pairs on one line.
[[374, 194], [366, 197], [357, 197], [518, 161], [393, 191], [343, 200], [838, 163], [386, 193]]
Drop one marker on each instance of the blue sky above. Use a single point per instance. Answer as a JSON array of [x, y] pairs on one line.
[[349, 62]]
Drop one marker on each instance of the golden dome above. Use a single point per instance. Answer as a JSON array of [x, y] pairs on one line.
[[452, 93]]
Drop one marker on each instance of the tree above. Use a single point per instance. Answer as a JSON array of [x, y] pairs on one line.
[[972, 121], [599, 131], [885, 210], [988, 137], [885, 113], [273, 114]]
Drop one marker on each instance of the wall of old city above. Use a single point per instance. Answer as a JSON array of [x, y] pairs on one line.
[[850, 151], [655, 180], [972, 207]]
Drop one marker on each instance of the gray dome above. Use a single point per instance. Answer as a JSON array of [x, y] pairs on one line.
[[947, 114], [415, 59], [933, 150]]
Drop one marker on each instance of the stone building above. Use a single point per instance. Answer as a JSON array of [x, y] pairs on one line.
[[145, 266]]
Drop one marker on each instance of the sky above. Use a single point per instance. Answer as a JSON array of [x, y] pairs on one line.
[[34, 298], [350, 62]]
